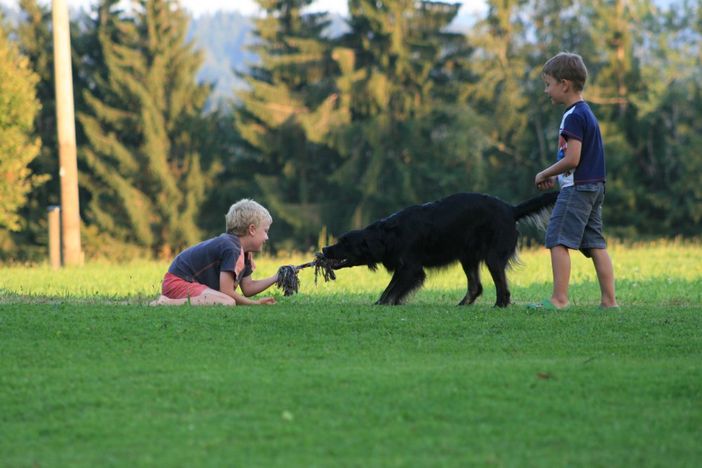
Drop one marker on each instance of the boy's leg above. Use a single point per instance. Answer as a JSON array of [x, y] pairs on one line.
[[605, 276], [212, 297], [560, 264], [164, 300], [595, 246], [564, 232], [207, 297]]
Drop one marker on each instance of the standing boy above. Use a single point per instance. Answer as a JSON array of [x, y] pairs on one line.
[[576, 221], [210, 272]]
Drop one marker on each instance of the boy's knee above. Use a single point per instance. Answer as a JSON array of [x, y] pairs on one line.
[[559, 250]]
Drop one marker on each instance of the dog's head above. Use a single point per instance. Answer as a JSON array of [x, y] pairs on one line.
[[355, 248]]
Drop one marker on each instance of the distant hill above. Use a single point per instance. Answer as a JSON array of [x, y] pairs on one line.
[[224, 37]]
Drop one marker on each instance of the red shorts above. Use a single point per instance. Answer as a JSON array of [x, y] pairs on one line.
[[175, 287]]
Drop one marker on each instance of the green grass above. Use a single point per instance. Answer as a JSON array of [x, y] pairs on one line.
[[91, 376]]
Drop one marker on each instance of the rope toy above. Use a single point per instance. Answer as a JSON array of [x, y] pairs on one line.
[[289, 282]]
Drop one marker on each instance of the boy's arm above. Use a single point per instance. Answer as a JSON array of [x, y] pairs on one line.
[[251, 287], [227, 285], [570, 160]]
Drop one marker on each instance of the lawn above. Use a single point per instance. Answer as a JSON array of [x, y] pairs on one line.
[[90, 375]]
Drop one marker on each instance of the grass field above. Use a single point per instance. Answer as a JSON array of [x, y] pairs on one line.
[[91, 376]]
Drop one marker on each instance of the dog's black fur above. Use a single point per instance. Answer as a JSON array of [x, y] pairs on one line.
[[471, 228]]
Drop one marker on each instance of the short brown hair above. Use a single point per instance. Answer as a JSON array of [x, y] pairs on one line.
[[567, 66]]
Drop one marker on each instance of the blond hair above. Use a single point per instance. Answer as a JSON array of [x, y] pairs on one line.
[[244, 213], [567, 66]]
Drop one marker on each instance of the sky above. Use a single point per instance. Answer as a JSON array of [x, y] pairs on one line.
[[249, 7]]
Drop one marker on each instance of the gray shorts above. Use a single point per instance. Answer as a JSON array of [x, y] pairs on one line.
[[576, 220]]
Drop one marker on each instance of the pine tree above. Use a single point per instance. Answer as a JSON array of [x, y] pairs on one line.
[[657, 118], [36, 43], [612, 84], [557, 26], [501, 93], [18, 147], [34, 39], [408, 141], [146, 180], [615, 39], [286, 114]]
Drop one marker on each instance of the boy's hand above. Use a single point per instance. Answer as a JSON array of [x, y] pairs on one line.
[[544, 183], [266, 301]]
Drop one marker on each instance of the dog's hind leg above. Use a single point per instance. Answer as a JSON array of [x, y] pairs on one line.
[[497, 267], [475, 287], [403, 282]]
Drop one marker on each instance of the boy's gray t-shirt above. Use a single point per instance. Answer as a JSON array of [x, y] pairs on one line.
[[204, 262]]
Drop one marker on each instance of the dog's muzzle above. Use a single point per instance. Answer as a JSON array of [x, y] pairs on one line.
[[333, 262]]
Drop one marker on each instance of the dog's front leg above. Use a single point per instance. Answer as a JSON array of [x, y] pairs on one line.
[[384, 298], [404, 281]]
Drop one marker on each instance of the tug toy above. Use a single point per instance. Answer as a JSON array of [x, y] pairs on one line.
[[289, 282]]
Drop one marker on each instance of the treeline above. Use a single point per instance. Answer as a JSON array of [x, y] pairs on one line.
[[333, 132]]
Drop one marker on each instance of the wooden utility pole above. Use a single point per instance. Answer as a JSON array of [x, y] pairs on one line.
[[68, 163]]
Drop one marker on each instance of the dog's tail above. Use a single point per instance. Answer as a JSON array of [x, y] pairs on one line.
[[536, 210]]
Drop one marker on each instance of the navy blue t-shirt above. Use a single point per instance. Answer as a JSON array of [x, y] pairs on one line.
[[204, 262], [581, 124]]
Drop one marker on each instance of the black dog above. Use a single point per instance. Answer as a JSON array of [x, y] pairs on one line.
[[468, 227]]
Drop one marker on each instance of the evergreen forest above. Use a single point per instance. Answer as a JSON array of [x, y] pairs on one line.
[[331, 131]]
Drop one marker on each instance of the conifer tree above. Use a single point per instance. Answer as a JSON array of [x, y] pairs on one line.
[[410, 139], [146, 181], [35, 42], [557, 26], [504, 73], [615, 30], [651, 74], [34, 39], [18, 147], [286, 114]]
